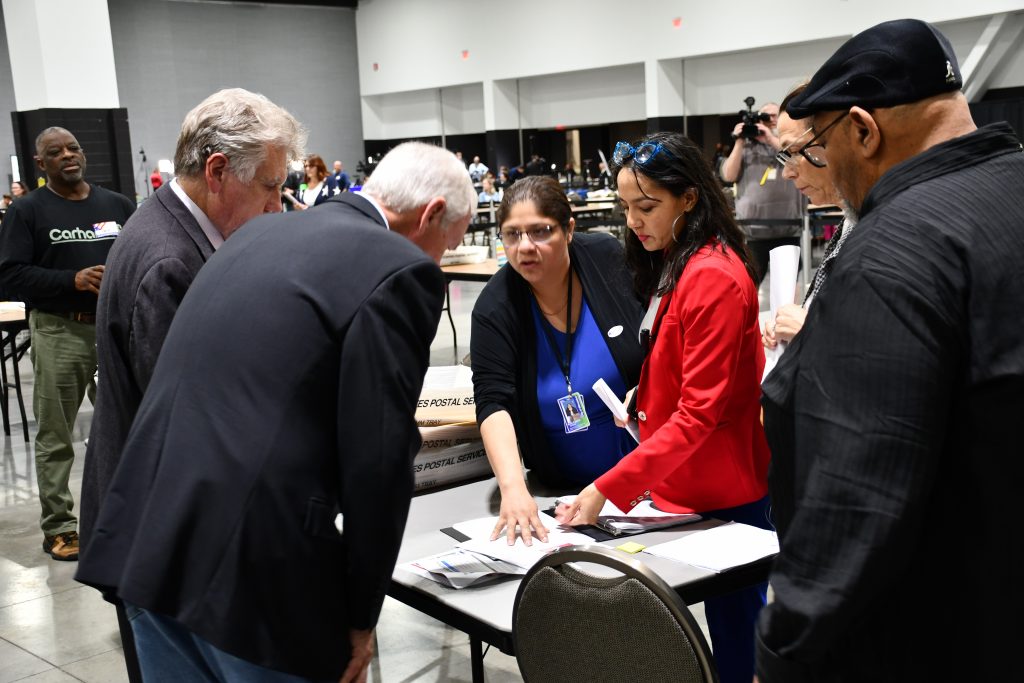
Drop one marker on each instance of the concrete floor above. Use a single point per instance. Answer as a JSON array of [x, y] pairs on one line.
[[54, 630]]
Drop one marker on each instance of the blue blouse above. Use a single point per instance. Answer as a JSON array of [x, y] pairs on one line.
[[584, 455]]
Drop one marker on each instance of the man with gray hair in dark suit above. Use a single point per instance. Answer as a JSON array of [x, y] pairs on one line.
[[262, 423], [231, 159]]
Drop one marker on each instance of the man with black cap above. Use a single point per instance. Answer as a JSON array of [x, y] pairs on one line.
[[893, 417]]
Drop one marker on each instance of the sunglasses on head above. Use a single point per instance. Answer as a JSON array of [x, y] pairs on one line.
[[641, 154]]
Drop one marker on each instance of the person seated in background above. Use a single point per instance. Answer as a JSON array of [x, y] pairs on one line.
[[702, 448], [807, 168], [18, 190], [7, 200], [477, 171], [489, 193], [503, 180], [544, 329]]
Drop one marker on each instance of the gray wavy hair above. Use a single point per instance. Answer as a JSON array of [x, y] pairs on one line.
[[413, 173], [241, 125]]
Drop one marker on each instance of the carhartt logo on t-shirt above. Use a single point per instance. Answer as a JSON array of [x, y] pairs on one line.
[[98, 231]]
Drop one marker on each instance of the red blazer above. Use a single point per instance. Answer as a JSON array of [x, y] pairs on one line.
[[702, 446]]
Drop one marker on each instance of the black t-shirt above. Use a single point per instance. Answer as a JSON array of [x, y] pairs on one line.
[[45, 239]]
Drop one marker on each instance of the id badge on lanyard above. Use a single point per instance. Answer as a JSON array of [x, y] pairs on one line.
[[571, 407]]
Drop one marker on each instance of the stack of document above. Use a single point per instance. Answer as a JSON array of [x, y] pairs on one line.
[[480, 559], [642, 518], [723, 547], [461, 568]]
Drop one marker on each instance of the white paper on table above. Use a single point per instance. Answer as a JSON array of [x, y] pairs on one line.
[[784, 264], [520, 554], [720, 548], [483, 527], [476, 528]]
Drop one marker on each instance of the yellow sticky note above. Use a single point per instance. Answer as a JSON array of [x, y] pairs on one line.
[[765, 178], [631, 547]]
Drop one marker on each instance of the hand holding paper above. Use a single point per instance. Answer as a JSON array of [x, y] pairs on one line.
[[617, 408], [784, 263]]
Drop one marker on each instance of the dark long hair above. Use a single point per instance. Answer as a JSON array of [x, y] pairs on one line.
[[679, 166]]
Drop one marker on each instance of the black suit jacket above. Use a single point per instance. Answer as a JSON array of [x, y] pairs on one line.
[[284, 394], [150, 267]]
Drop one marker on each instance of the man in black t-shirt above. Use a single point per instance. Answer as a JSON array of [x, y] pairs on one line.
[[53, 247]]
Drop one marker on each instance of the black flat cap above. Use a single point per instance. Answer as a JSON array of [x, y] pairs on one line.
[[895, 62]]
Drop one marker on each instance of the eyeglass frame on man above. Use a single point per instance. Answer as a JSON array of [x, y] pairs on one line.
[[783, 156], [531, 234]]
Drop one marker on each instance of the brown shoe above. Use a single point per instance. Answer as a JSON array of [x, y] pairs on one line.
[[62, 547]]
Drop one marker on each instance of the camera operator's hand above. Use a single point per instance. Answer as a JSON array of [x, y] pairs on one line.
[[737, 133], [768, 137]]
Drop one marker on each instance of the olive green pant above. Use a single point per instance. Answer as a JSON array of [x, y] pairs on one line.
[[64, 364]]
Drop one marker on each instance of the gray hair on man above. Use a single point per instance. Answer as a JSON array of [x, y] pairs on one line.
[[241, 125], [413, 173]]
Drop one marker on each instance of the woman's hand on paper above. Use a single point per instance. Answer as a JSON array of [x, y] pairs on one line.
[[583, 510], [518, 516]]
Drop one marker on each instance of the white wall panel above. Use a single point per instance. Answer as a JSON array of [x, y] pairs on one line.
[[419, 44], [463, 109], [583, 98], [402, 115]]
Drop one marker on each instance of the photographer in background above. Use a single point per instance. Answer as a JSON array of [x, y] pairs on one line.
[[761, 191]]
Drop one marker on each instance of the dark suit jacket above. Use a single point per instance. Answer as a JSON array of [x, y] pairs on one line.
[[149, 269], [284, 394]]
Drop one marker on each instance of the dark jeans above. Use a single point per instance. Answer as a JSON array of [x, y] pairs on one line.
[[760, 249], [170, 653], [733, 617]]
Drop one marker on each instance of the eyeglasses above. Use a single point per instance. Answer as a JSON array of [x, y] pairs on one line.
[[785, 156], [642, 154], [538, 234], [813, 151]]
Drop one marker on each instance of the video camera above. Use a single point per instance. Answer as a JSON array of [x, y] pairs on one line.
[[750, 120]]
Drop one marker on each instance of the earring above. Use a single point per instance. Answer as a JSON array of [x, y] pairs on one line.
[[674, 238]]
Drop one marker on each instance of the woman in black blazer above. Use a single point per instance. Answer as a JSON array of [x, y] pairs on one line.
[[560, 315]]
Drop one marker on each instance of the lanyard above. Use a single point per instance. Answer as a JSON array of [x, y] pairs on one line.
[[563, 361]]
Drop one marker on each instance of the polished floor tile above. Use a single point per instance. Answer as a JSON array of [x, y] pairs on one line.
[[106, 667], [17, 663]]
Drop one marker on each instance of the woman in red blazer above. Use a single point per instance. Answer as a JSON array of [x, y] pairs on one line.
[[702, 448]]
